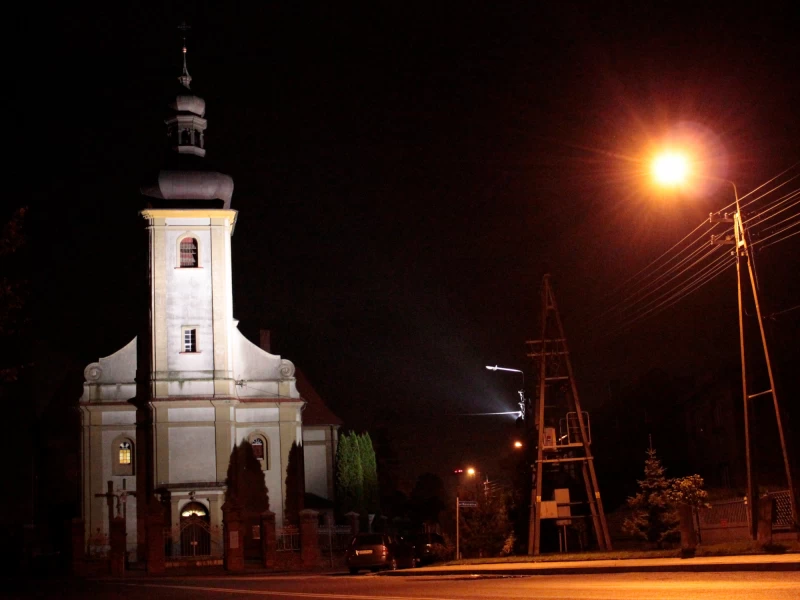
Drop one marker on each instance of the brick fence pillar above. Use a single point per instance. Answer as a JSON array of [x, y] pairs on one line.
[[353, 521], [268, 540], [232, 531], [117, 540], [78, 537], [309, 538], [766, 507], [155, 538], [688, 532]]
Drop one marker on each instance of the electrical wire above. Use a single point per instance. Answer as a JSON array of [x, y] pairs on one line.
[[673, 277], [781, 222], [776, 204], [764, 239], [630, 280], [768, 192], [633, 277], [670, 293], [779, 240], [682, 293], [759, 187]]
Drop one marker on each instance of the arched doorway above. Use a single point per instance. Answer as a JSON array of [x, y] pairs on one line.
[[195, 530]]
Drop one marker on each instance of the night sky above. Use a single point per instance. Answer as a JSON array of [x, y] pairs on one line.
[[405, 174]]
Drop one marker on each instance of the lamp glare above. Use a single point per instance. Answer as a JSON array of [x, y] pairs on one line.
[[670, 169]]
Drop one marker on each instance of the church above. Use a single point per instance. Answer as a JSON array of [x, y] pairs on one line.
[[162, 416]]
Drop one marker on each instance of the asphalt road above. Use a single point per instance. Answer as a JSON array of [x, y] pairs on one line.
[[638, 586]]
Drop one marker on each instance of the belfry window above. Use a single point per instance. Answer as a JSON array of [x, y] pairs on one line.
[[188, 252], [189, 339]]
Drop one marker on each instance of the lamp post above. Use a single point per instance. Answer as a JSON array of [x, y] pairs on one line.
[[673, 169]]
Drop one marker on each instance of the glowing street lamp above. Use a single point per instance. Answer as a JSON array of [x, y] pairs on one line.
[[672, 169], [471, 472], [517, 444]]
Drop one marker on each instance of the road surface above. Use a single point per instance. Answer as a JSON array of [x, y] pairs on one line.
[[627, 586]]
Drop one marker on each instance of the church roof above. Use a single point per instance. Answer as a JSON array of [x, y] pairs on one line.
[[316, 411]]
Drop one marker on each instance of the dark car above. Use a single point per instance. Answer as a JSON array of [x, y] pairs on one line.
[[375, 551], [428, 547]]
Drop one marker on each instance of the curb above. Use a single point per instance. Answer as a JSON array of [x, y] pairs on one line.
[[586, 570]]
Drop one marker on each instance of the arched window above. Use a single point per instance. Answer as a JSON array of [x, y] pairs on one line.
[[188, 253], [123, 456], [260, 450]]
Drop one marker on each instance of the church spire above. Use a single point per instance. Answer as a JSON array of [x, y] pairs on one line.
[[185, 78]]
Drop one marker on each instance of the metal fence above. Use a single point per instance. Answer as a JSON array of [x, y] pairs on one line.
[[335, 538], [729, 513], [782, 516], [287, 539]]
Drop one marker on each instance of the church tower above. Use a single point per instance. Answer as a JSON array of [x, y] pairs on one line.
[[190, 226], [162, 417]]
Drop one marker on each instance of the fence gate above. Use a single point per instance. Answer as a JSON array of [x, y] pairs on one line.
[[195, 537]]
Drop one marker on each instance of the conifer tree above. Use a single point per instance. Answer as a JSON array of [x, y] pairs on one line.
[[349, 475], [370, 470], [654, 516]]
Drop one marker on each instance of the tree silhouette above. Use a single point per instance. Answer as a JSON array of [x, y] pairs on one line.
[[295, 485], [654, 516], [245, 480], [370, 473], [349, 475]]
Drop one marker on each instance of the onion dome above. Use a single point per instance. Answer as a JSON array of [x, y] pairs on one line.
[[187, 177]]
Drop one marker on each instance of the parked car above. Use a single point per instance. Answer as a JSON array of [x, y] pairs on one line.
[[428, 547], [375, 551]]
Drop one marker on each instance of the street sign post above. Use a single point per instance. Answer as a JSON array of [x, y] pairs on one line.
[[462, 504]]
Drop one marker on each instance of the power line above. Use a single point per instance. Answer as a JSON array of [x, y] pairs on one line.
[[788, 227], [759, 187], [707, 275], [779, 240], [633, 278], [666, 274], [776, 204]]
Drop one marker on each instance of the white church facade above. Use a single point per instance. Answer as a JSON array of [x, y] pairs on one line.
[[162, 416]]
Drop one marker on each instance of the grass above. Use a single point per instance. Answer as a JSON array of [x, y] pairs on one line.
[[726, 549]]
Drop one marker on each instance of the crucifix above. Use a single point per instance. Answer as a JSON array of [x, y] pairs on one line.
[[119, 497]]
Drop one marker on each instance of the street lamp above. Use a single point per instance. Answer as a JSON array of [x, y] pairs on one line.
[[521, 392], [671, 168]]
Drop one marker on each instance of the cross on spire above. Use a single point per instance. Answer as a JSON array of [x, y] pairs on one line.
[[185, 78]]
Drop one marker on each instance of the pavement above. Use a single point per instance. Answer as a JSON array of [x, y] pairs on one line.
[[755, 562]]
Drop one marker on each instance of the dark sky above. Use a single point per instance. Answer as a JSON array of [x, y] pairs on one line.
[[403, 175]]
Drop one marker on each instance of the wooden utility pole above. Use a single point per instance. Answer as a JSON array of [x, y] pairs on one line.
[[562, 426]]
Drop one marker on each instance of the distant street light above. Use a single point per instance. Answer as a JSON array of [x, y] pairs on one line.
[[673, 169], [517, 444], [471, 472], [521, 392]]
